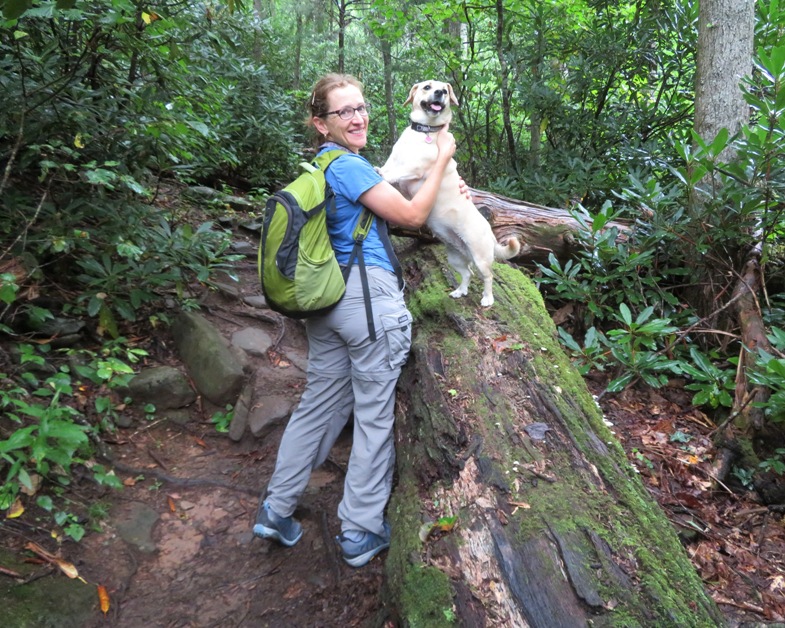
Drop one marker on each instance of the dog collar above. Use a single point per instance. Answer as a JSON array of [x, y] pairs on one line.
[[427, 129]]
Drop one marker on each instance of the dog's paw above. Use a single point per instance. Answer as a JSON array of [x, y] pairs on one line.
[[487, 301], [457, 294]]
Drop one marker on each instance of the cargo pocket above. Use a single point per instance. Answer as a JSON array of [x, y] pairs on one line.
[[398, 333]]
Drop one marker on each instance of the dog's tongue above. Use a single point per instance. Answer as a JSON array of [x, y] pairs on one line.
[[436, 106]]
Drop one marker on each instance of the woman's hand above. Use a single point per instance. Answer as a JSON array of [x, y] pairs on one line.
[[445, 142], [463, 189]]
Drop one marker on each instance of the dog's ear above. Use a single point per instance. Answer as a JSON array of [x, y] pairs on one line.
[[412, 92], [453, 99]]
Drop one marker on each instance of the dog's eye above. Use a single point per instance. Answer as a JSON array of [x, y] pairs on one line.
[[427, 87]]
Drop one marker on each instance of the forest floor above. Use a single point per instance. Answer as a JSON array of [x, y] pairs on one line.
[[196, 491]]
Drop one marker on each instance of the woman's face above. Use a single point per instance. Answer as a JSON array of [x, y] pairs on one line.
[[352, 133]]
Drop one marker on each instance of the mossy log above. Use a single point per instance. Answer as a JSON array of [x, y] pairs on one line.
[[553, 528], [541, 230]]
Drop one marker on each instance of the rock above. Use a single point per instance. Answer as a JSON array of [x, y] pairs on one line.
[[244, 248], [124, 420], [229, 289], [298, 359], [257, 301], [163, 386], [254, 226], [268, 413], [135, 521], [56, 326], [238, 203], [215, 369], [204, 193], [241, 411], [178, 416], [253, 340]]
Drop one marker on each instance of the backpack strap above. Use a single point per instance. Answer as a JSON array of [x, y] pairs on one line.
[[361, 230], [364, 223]]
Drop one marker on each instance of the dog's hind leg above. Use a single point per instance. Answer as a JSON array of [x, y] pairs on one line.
[[484, 268], [461, 266], [482, 257]]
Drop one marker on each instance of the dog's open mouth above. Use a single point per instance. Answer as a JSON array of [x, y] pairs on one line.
[[433, 107]]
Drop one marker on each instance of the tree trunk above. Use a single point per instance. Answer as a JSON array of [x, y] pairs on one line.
[[504, 72], [541, 230], [392, 132], [494, 427], [342, 21], [726, 30]]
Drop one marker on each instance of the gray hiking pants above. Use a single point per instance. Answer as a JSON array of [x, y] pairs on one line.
[[346, 371]]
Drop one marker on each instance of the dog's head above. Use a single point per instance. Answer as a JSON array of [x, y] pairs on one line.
[[431, 101]]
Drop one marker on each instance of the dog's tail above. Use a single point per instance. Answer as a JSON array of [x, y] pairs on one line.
[[507, 251]]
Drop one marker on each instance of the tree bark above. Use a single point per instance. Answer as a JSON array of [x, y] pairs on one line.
[[504, 72], [541, 230], [726, 31], [494, 427]]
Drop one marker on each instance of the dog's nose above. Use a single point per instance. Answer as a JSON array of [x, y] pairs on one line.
[[440, 92]]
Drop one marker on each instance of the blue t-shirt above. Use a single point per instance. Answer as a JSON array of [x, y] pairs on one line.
[[351, 175]]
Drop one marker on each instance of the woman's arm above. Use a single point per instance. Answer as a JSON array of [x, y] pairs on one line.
[[388, 203]]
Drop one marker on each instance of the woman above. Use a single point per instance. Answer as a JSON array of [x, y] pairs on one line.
[[347, 370]]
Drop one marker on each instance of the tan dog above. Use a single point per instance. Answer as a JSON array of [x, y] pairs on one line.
[[454, 218]]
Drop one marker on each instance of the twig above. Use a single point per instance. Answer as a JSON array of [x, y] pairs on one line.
[[14, 151], [713, 477], [10, 572], [155, 457], [721, 599]]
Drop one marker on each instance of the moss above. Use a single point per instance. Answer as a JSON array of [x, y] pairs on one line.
[[424, 593], [427, 597], [620, 512]]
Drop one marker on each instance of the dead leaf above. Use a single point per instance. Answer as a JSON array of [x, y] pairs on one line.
[[172, 506], [103, 597], [67, 568], [35, 484], [15, 510], [777, 583]]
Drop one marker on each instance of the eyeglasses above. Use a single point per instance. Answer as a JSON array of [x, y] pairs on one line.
[[347, 113]]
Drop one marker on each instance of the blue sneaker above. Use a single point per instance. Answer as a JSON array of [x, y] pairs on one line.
[[286, 530], [359, 546]]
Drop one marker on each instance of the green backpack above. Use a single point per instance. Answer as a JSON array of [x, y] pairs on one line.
[[297, 266]]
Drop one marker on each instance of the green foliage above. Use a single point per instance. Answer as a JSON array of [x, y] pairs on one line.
[[769, 371], [775, 464], [156, 257], [591, 355], [712, 385], [41, 432], [46, 439], [606, 271], [222, 420]]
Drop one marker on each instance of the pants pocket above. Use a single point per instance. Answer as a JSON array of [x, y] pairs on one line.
[[398, 334]]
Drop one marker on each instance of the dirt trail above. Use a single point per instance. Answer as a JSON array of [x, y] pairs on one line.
[[199, 565]]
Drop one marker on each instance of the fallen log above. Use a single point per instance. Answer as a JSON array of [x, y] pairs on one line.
[[541, 230], [515, 504]]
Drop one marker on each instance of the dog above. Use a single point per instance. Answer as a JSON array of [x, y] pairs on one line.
[[454, 219]]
